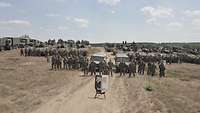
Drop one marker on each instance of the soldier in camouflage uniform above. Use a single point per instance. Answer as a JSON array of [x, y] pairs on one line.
[[65, 63], [153, 69], [121, 68], [93, 68], [21, 52], [162, 69], [149, 69], [53, 62], [142, 68], [70, 61], [26, 51], [76, 62], [101, 68], [110, 68], [85, 66], [132, 69]]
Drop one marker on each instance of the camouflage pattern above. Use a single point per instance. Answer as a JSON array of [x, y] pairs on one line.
[[162, 70]]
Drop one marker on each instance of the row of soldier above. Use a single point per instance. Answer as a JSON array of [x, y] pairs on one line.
[[77, 61], [105, 68], [139, 67], [49, 51], [68, 63]]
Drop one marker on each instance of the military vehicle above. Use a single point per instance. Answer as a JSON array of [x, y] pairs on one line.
[[121, 57], [97, 58], [6, 43]]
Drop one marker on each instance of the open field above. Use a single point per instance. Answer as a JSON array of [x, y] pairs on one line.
[[27, 85]]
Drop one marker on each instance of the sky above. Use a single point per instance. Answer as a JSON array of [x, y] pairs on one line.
[[102, 20]]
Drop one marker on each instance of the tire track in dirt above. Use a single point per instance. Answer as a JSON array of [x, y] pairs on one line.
[[82, 100]]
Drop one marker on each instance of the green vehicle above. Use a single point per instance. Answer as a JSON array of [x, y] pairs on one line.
[[121, 57]]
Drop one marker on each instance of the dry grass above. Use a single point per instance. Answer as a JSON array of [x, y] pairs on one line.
[[26, 83]]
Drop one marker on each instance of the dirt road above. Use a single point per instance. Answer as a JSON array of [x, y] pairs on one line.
[[83, 101]]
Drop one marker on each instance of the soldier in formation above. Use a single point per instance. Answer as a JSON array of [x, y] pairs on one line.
[[85, 66], [132, 68], [122, 68], [162, 69], [110, 68], [141, 67], [92, 68]]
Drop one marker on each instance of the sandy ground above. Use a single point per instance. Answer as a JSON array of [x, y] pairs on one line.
[[28, 86]]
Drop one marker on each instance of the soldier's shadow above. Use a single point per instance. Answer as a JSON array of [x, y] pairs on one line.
[[97, 98]]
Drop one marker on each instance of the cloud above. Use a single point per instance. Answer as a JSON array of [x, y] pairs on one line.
[[112, 11], [196, 23], [194, 17], [192, 13], [80, 22], [4, 5], [175, 25], [83, 23], [109, 2], [156, 15], [68, 18], [159, 12], [19, 23], [152, 21], [52, 15], [63, 28]]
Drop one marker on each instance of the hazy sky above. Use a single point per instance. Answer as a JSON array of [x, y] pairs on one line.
[[102, 20]]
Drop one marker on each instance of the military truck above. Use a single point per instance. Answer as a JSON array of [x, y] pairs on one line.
[[6, 43], [97, 58], [121, 57]]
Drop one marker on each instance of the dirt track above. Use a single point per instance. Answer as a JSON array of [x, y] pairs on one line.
[[28, 86], [82, 101]]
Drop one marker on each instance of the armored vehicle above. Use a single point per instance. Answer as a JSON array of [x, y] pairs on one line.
[[123, 58], [97, 58]]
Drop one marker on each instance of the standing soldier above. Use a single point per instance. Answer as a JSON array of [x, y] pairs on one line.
[[105, 68], [65, 63], [124, 67], [85, 66], [170, 59], [121, 68], [162, 69], [153, 69], [149, 69], [101, 68], [59, 62], [26, 51], [76, 59], [142, 68], [132, 69], [93, 68], [53, 62], [70, 61], [110, 65], [21, 52]]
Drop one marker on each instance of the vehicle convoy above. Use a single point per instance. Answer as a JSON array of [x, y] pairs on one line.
[[8, 43], [121, 58], [97, 58]]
